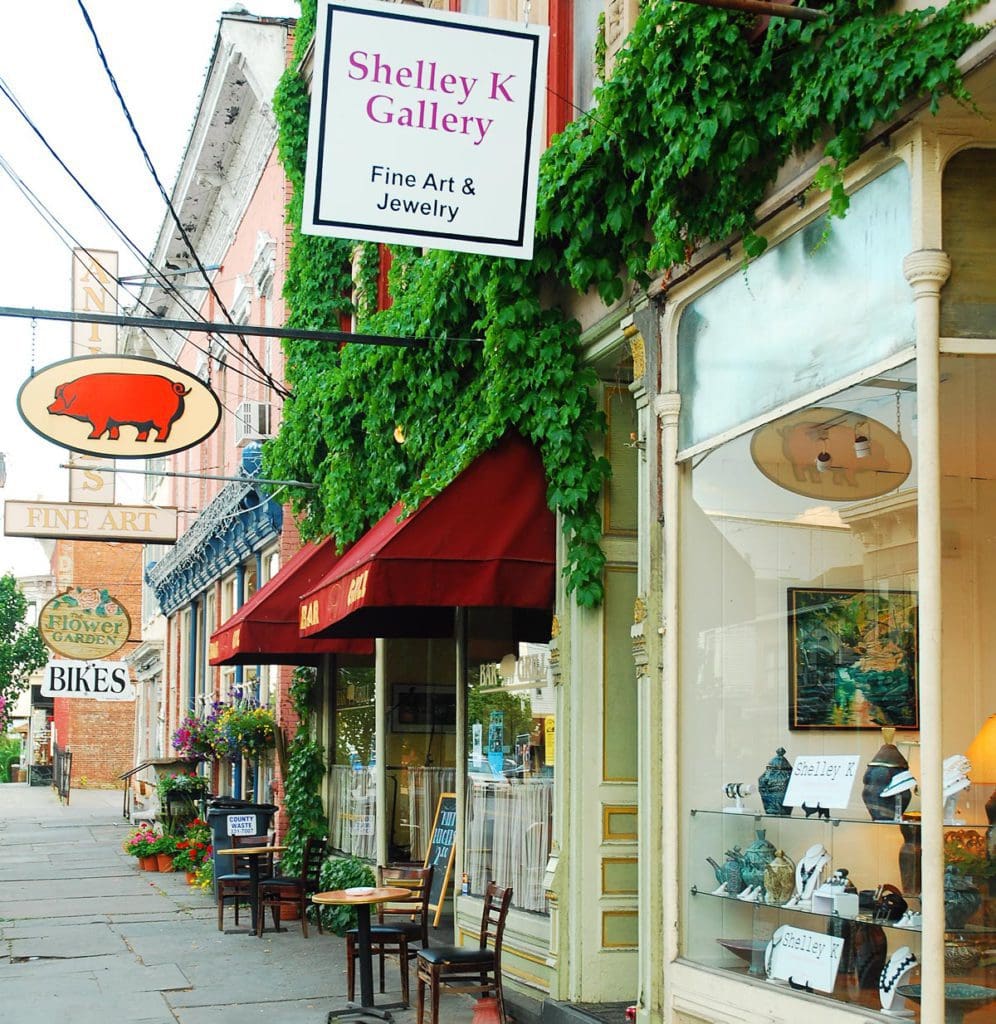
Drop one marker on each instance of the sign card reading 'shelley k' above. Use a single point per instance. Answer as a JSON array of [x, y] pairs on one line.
[[425, 128]]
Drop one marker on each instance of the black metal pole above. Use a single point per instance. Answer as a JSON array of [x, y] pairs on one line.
[[254, 330]]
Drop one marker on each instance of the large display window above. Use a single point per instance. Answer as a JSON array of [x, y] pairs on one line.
[[799, 698]]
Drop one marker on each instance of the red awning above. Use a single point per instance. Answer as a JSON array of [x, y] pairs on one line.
[[264, 630], [488, 540]]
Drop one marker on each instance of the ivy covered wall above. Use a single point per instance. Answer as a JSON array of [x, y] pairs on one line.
[[688, 132]]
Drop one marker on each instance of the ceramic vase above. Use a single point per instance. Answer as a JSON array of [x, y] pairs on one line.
[[870, 947], [909, 858], [773, 783], [734, 872], [779, 879], [961, 899], [756, 858], [887, 763]]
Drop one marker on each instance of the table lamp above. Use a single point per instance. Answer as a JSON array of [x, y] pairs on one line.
[[982, 754]]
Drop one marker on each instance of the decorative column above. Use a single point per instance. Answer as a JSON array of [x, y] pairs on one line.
[[927, 270], [668, 406]]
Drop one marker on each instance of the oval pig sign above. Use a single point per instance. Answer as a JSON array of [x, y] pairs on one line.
[[122, 407], [84, 623]]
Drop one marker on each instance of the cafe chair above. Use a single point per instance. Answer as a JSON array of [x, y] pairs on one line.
[[467, 969], [234, 886], [399, 924], [294, 891]]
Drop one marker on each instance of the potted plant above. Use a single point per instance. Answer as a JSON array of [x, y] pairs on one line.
[[343, 873], [164, 848], [192, 849], [204, 877], [140, 842]]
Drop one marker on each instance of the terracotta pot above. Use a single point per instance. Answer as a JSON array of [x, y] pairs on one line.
[[289, 911], [165, 861], [191, 877], [149, 863]]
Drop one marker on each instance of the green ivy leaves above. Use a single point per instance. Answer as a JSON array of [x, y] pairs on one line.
[[688, 132]]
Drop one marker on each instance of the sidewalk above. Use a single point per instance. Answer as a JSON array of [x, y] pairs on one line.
[[85, 936]]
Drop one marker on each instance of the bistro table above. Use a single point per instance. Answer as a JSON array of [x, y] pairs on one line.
[[253, 854], [363, 898]]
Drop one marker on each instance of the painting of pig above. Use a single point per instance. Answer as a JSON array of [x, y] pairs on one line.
[[109, 401]]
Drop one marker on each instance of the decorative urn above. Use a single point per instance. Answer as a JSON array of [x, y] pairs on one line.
[[757, 857], [887, 763], [961, 899], [779, 879], [774, 782]]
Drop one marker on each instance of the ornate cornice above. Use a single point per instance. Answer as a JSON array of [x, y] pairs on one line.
[[237, 523]]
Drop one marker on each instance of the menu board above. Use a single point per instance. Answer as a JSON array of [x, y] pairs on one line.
[[440, 852]]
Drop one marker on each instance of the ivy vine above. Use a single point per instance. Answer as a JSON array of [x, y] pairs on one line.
[[305, 774], [688, 131]]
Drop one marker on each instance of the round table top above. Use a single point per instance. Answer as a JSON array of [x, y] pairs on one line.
[[362, 894], [253, 850]]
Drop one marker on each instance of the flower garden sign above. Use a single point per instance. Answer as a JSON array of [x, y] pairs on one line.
[[84, 624]]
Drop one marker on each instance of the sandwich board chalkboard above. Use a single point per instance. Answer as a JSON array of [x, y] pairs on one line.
[[440, 852]]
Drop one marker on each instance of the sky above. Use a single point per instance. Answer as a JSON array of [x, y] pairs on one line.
[[158, 54]]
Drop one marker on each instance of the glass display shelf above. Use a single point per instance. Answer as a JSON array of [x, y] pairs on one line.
[[966, 930], [833, 820]]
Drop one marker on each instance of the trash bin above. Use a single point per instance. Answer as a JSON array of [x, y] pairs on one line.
[[229, 817]]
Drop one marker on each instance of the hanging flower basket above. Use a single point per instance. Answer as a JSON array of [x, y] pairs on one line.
[[245, 730], [192, 739]]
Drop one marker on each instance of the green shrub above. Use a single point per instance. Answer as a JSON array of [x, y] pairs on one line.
[[10, 751], [343, 873]]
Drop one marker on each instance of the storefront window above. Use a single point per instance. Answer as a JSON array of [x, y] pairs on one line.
[[968, 570], [777, 310], [798, 647], [510, 776], [352, 802]]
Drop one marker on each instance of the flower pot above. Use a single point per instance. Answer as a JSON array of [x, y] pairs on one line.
[[149, 863], [289, 911], [165, 861], [191, 877]]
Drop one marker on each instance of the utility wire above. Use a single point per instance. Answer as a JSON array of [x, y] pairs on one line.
[[66, 237], [167, 198]]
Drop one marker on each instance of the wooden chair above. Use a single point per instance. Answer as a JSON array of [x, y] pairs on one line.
[[295, 891], [467, 968], [234, 886], [399, 923]]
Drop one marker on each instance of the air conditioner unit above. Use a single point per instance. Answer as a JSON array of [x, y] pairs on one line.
[[252, 422]]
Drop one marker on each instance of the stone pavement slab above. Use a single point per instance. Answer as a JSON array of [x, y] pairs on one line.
[[115, 945]]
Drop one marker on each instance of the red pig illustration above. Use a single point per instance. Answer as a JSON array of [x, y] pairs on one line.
[[108, 401]]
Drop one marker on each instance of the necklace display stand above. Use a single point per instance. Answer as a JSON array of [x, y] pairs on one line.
[[893, 974], [809, 874]]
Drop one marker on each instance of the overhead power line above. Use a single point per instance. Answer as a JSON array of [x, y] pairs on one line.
[[169, 203]]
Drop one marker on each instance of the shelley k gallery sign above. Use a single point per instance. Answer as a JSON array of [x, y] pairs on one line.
[[425, 128]]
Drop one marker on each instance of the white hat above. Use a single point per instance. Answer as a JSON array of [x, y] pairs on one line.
[[902, 783]]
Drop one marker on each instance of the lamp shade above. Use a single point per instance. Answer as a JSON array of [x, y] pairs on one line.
[[982, 752]]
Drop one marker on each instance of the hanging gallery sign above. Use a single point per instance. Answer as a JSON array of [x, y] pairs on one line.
[[131, 524], [834, 454], [84, 623], [93, 680], [426, 128], [122, 407]]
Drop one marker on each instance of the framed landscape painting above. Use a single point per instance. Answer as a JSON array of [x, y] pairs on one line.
[[852, 659]]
